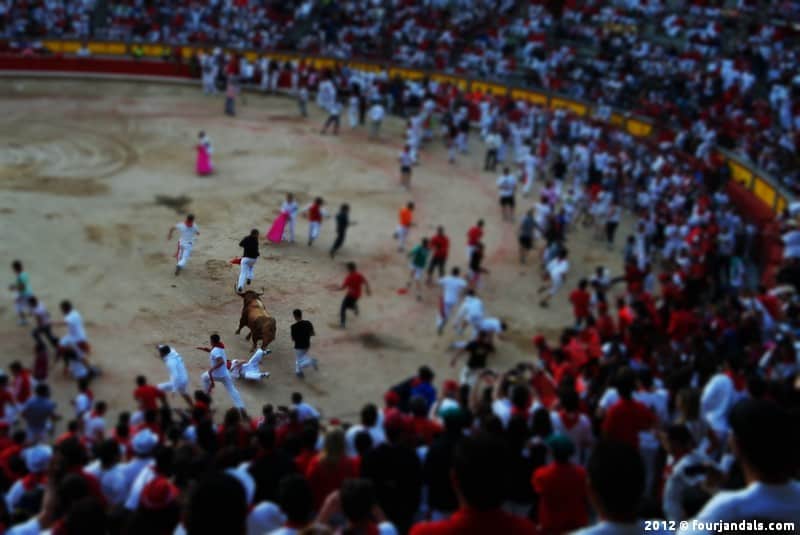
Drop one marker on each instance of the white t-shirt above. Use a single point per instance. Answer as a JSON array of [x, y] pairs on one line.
[[471, 309], [405, 159], [557, 268], [375, 432], [492, 325], [758, 501], [94, 427], [452, 288], [506, 184], [187, 233], [82, 403], [222, 371], [75, 326], [305, 411], [176, 368], [376, 113], [290, 208]]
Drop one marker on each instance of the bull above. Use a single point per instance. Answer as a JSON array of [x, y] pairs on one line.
[[256, 318]]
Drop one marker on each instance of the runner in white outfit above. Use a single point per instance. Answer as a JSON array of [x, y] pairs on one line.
[[250, 370], [178, 376], [218, 372], [453, 287], [188, 232]]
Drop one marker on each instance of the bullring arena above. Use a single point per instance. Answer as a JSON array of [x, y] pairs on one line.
[[94, 173]]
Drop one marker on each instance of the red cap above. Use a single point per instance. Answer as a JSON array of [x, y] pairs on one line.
[[450, 386], [539, 340], [391, 398], [159, 494]]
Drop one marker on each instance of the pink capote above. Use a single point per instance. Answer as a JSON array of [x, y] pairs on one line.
[[275, 233], [203, 166]]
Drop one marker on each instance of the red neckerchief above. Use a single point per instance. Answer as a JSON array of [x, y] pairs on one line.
[[219, 345], [89, 394], [188, 223], [739, 381], [31, 481], [569, 420]]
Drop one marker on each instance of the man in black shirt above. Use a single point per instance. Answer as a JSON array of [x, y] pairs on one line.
[[342, 222], [479, 350], [250, 254], [302, 331]]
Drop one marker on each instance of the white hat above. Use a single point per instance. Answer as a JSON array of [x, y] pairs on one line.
[[265, 517], [247, 481], [144, 442], [37, 458]]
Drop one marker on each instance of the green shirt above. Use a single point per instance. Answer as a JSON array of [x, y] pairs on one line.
[[23, 284], [419, 256]]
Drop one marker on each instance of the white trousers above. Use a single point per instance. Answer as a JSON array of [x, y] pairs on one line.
[[209, 87], [352, 116], [184, 252], [290, 222], [313, 230], [245, 271], [444, 313], [182, 387], [402, 235], [227, 382]]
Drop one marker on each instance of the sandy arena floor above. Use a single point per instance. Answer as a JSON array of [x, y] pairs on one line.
[[89, 177]]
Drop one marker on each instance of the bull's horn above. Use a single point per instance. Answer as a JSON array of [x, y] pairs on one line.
[[262, 292]]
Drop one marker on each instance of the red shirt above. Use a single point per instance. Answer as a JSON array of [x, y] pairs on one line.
[[625, 419], [353, 283], [315, 213], [471, 522], [562, 497], [424, 429], [440, 245], [148, 396], [21, 386], [580, 300], [474, 235], [324, 478]]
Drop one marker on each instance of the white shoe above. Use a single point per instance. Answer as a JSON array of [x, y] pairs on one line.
[[265, 375]]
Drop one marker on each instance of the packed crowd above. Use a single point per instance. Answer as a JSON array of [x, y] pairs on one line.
[[714, 76], [673, 394]]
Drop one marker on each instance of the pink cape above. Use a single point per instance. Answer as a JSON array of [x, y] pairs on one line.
[[203, 166], [275, 233]]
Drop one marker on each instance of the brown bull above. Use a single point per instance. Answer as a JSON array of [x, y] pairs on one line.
[[256, 318]]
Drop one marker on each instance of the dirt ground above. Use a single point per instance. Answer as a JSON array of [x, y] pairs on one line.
[[93, 175]]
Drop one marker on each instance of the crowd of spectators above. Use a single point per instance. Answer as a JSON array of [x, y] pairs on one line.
[[715, 74]]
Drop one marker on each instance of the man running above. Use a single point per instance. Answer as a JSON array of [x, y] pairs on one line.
[[419, 259], [188, 231], [315, 212], [506, 188], [22, 287], [342, 222], [218, 372], [352, 283], [178, 376], [302, 331], [75, 338], [440, 247], [453, 287], [474, 236], [405, 218], [250, 254]]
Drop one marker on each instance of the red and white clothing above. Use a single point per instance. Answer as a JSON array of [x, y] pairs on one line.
[[220, 374], [178, 376], [315, 214], [452, 290]]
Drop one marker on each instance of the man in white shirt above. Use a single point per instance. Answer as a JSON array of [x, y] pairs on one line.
[[506, 187], [75, 338], [218, 373], [453, 287], [188, 231], [376, 114], [471, 312], [178, 376], [250, 369], [304, 410], [369, 424], [557, 270], [766, 450]]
